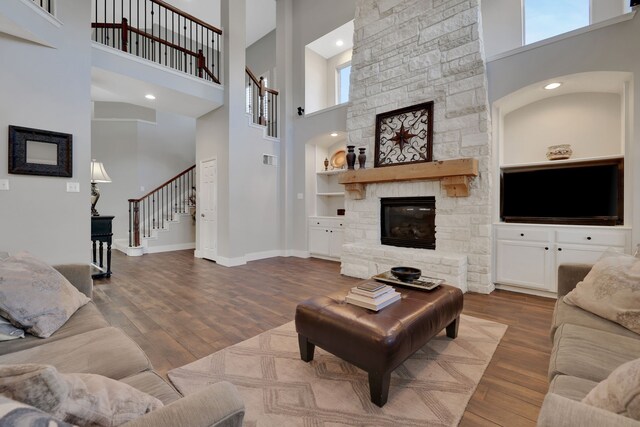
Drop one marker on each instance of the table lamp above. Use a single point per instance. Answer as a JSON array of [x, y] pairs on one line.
[[98, 174]]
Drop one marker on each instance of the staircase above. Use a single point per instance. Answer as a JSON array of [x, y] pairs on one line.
[[164, 219], [262, 104]]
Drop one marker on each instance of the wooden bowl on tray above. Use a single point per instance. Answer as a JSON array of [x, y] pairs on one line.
[[406, 274]]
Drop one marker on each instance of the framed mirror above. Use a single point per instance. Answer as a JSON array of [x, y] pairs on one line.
[[40, 152]]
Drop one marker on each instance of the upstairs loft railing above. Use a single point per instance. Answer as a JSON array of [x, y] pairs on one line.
[[151, 211], [159, 32], [262, 103], [45, 4]]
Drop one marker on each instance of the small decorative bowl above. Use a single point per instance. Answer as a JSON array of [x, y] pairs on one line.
[[559, 152], [406, 274]]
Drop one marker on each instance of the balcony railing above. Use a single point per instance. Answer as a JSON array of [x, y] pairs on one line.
[[45, 4], [159, 32], [262, 103]]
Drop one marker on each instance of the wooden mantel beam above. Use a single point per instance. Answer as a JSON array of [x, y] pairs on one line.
[[454, 175]]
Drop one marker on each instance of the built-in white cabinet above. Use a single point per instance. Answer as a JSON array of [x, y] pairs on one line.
[[528, 256], [329, 193], [325, 237]]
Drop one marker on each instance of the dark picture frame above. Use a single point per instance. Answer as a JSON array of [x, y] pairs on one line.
[[404, 136], [40, 152]]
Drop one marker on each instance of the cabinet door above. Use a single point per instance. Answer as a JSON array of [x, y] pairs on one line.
[[335, 246], [525, 264], [319, 241]]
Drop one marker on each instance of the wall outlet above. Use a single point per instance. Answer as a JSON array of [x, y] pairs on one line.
[[4, 185], [73, 187]]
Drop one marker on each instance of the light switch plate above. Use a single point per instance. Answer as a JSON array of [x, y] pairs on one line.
[[4, 184], [73, 187]]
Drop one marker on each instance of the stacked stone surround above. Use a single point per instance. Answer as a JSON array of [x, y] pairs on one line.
[[407, 52]]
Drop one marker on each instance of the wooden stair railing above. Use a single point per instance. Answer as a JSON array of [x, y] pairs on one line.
[[151, 211], [159, 32], [263, 104]]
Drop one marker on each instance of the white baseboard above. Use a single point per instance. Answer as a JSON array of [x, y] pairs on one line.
[[230, 262], [255, 256], [197, 254], [526, 291], [169, 248], [296, 253]]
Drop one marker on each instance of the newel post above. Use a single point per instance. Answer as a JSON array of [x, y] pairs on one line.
[[262, 119], [125, 34], [134, 224], [201, 62]]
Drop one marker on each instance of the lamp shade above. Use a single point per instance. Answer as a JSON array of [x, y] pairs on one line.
[[98, 174]]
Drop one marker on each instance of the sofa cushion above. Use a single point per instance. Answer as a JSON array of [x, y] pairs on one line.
[[611, 290], [566, 313], [87, 318], [84, 399], [107, 351], [36, 297], [588, 353], [573, 388], [619, 392], [151, 383], [18, 414]]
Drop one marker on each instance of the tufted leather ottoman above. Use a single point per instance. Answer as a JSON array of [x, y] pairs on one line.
[[377, 342]]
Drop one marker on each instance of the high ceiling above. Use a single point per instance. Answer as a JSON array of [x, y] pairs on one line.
[[261, 15], [327, 46]]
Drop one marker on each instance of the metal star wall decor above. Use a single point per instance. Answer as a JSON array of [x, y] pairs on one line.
[[404, 136]]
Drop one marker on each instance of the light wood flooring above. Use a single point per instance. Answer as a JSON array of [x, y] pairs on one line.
[[180, 309]]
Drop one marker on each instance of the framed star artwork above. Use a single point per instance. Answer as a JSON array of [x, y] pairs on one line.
[[404, 136]]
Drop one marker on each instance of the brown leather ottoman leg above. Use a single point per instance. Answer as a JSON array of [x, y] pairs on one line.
[[307, 348], [379, 387], [452, 328]]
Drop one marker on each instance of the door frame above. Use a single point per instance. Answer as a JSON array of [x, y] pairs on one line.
[[199, 253]]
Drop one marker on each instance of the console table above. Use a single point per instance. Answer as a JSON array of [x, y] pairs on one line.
[[101, 233]]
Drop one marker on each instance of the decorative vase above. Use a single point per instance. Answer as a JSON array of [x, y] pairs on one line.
[[326, 164], [559, 152], [351, 157], [362, 158]]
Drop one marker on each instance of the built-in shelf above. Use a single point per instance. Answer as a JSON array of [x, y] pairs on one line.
[[561, 162], [331, 172], [454, 175], [341, 193]]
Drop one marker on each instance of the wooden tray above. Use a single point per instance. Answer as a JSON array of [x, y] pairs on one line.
[[424, 282]]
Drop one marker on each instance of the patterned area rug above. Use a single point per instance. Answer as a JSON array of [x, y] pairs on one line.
[[431, 388]]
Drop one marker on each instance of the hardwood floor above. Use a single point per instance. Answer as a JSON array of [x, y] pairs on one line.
[[180, 309]]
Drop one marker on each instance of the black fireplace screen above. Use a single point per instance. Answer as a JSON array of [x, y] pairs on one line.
[[409, 222]]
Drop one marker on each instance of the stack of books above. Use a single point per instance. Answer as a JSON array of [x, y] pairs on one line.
[[372, 295]]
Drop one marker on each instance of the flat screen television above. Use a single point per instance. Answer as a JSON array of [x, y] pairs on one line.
[[589, 193]]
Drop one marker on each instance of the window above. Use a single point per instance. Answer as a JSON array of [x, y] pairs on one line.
[[548, 18], [344, 75]]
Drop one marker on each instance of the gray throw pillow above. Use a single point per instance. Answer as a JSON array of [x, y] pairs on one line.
[[611, 290], [83, 399], [9, 332], [619, 392], [16, 414], [36, 297]]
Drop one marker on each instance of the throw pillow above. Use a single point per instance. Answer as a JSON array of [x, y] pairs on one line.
[[16, 414], [83, 399], [611, 290], [619, 392], [4, 255], [8, 331], [36, 297]]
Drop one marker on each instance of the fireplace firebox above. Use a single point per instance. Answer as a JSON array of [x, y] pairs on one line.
[[408, 222]]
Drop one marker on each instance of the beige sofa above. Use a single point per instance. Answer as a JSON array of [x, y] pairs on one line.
[[87, 344], [586, 349]]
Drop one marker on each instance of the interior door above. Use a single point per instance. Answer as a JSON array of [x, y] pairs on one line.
[[208, 230]]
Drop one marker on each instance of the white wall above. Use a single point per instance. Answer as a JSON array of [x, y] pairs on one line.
[[138, 155], [47, 88], [315, 83], [261, 56], [604, 49], [590, 122]]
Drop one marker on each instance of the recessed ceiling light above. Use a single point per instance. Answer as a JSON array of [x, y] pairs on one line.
[[149, 96], [551, 86], [339, 43], [334, 134]]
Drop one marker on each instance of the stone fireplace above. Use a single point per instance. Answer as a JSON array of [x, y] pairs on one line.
[[408, 52]]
